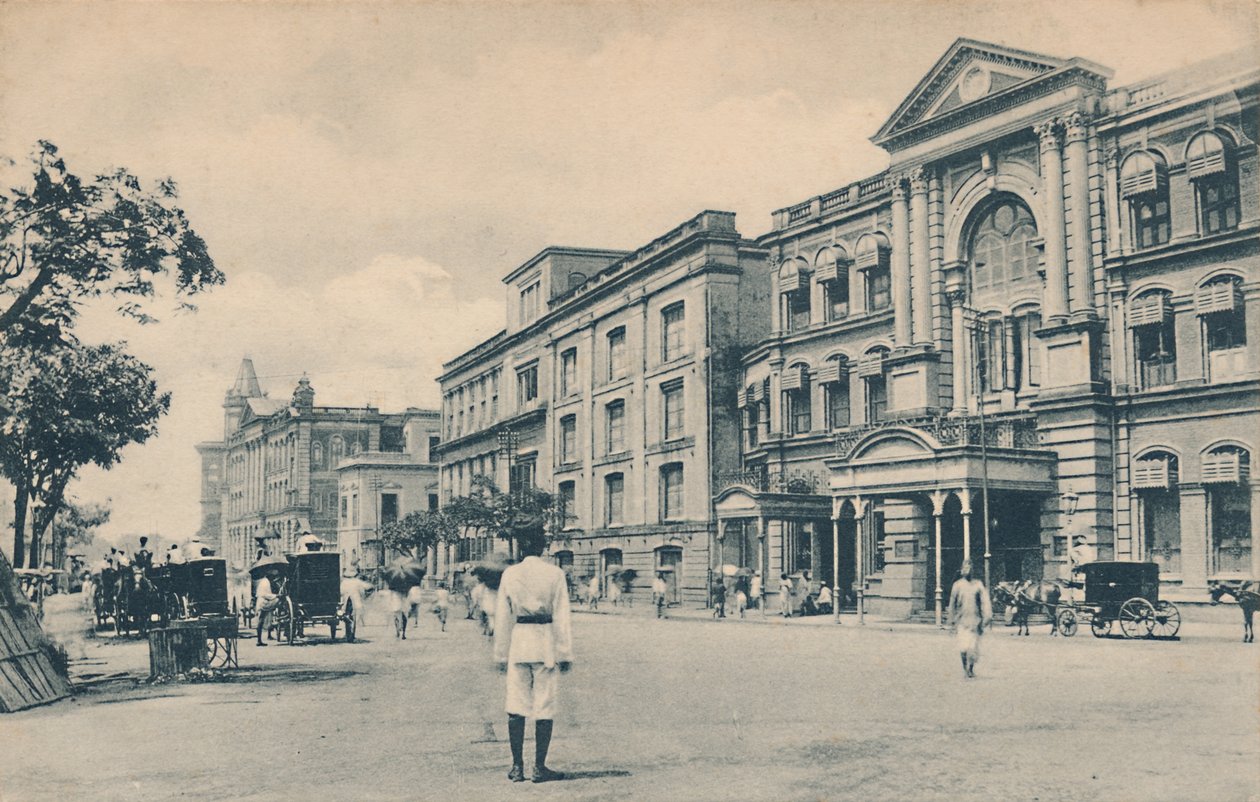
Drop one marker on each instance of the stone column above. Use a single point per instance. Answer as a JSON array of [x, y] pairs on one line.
[[938, 509], [901, 264], [921, 272], [1053, 232], [859, 516], [1076, 152], [962, 362], [835, 568]]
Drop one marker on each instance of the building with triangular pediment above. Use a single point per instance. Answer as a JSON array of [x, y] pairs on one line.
[[1037, 327], [288, 466]]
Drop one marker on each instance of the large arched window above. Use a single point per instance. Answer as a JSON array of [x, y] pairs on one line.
[[1004, 252], [794, 294], [1144, 184], [1154, 339], [1154, 477], [875, 384], [1210, 166], [1225, 472], [1223, 313], [797, 407], [831, 271]]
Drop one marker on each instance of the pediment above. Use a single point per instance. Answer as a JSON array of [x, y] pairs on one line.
[[968, 72]]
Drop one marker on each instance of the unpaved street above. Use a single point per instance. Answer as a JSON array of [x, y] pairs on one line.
[[670, 710]]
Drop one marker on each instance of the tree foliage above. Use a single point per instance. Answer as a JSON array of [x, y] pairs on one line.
[[74, 527], [65, 406], [415, 532], [65, 239], [506, 516]]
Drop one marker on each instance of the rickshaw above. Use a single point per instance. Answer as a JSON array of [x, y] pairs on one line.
[[310, 593], [1123, 592]]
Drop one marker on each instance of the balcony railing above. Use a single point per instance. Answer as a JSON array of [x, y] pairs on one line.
[[1001, 431], [765, 479]]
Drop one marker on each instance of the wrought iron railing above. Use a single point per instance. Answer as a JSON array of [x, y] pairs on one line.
[[1000, 431], [766, 479]]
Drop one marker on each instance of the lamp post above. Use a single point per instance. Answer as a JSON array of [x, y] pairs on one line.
[[508, 441], [975, 324]]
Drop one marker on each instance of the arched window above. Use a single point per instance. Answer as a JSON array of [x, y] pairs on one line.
[[317, 454], [1215, 176], [871, 370], [794, 294], [1003, 250], [1220, 306], [1225, 472], [797, 409], [1154, 477], [831, 271], [337, 449], [1144, 184], [1154, 339], [872, 258], [834, 377]]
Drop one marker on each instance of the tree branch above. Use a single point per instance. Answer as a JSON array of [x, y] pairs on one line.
[[24, 300]]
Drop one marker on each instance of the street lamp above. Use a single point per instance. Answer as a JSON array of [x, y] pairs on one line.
[[975, 324]]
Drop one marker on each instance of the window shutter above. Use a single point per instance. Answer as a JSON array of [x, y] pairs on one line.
[[1225, 467], [793, 276], [833, 370], [1149, 310], [1145, 177], [1206, 156], [871, 365], [1216, 296], [832, 270], [794, 379], [873, 256], [1154, 473]]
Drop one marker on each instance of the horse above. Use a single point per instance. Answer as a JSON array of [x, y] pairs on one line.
[[1028, 597], [135, 601], [1247, 594]]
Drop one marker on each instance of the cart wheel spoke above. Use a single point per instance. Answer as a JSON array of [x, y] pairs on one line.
[[1100, 626], [1137, 618], [1166, 620], [1067, 622]]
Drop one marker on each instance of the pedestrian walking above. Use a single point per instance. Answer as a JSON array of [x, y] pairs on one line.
[[442, 604], [592, 593], [719, 600], [614, 591], [659, 589], [265, 601], [533, 643], [754, 592], [741, 601], [970, 613], [785, 596]]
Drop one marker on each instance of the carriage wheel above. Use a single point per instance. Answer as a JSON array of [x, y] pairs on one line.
[[349, 619], [1100, 626], [332, 629], [1167, 620], [1067, 622], [291, 630], [1137, 618]]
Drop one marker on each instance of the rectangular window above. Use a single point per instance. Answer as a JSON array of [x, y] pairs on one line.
[[527, 385], [1229, 516], [568, 504], [1155, 349], [617, 354], [1151, 221], [1226, 335], [837, 298], [673, 411], [837, 405], [795, 306], [673, 324], [568, 372], [434, 442], [751, 422], [878, 289], [345, 507], [797, 410], [389, 508], [615, 427], [876, 398], [1218, 201], [671, 491], [354, 509], [614, 499], [991, 366], [568, 438], [529, 303], [522, 475], [433, 501]]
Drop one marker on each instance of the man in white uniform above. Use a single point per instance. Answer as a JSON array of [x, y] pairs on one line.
[[533, 643]]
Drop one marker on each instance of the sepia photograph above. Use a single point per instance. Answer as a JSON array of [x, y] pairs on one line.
[[599, 400]]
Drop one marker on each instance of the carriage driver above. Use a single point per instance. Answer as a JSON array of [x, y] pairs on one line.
[[1079, 555], [266, 600], [533, 644]]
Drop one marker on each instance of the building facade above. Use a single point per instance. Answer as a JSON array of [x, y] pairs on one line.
[[1040, 321], [274, 474], [614, 387]]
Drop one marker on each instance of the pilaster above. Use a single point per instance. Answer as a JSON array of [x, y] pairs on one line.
[[1048, 134], [920, 265], [902, 325], [1080, 280]]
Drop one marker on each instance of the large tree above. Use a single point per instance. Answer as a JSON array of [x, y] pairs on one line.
[[67, 405], [65, 239], [506, 515], [74, 528], [416, 532]]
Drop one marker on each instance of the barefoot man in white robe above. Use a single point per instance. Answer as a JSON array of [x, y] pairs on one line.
[[970, 613]]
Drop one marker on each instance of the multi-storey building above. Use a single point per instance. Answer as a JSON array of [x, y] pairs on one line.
[[1034, 324], [276, 466], [614, 387]]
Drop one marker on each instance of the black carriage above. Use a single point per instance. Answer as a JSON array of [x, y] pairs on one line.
[[193, 589], [310, 593], [1123, 596]]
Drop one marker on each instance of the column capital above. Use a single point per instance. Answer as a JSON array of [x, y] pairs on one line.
[[956, 297], [1076, 127], [918, 179], [898, 181], [1048, 133]]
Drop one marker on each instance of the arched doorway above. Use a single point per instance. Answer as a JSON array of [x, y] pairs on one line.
[[951, 552], [846, 536]]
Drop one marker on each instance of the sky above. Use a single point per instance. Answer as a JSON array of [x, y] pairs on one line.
[[365, 174]]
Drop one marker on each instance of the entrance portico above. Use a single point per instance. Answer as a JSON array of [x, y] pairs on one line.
[[911, 493]]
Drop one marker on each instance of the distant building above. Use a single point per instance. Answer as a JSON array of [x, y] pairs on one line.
[[614, 387], [274, 474], [1054, 293]]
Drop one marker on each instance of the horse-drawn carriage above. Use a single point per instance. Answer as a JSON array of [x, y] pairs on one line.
[[133, 597], [193, 589], [1126, 593], [310, 593]]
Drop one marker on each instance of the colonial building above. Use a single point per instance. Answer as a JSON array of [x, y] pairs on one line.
[[376, 488], [614, 386], [1034, 324], [274, 474]]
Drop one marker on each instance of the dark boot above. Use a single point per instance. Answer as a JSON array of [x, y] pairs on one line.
[[542, 743], [516, 740]]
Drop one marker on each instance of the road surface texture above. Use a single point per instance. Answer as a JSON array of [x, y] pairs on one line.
[[665, 710]]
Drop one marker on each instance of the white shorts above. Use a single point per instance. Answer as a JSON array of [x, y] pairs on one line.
[[398, 602], [531, 690]]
